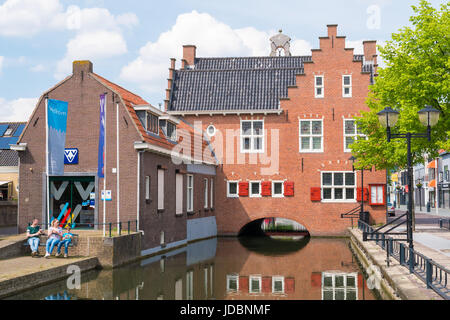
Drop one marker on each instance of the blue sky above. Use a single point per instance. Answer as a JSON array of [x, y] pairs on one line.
[[130, 42]]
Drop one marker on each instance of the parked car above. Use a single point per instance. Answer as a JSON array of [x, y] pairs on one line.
[[391, 209]]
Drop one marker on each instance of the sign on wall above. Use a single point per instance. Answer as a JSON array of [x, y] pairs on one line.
[[71, 156], [108, 195]]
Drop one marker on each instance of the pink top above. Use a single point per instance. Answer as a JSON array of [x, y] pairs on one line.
[[54, 235]]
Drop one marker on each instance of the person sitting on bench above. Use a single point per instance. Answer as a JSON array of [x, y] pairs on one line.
[[33, 233], [66, 240], [54, 237]]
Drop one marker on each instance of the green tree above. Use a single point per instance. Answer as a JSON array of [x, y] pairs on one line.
[[416, 74]]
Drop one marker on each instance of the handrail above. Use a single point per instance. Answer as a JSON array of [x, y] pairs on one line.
[[351, 212], [434, 275], [444, 223]]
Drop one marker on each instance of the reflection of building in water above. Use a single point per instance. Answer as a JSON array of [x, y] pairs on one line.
[[260, 285]]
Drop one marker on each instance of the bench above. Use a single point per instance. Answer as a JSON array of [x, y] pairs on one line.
[[43, 241]]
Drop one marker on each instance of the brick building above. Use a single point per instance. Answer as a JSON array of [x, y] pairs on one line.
[[281, 128], [172, 201]]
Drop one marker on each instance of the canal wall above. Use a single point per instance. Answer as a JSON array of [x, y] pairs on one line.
[[393, 282]]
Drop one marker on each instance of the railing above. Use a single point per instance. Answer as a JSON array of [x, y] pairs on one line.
[[110, 227], [444, 224], [434, 275]]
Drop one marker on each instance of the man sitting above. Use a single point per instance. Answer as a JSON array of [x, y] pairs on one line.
[[33, 233]]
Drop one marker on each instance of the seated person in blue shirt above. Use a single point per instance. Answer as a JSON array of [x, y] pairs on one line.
[[66, 240]]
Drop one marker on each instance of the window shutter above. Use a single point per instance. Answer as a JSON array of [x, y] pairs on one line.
[[243, 189], [266, 188], [289, 285], [267, 284], [366, 194], [289, 189], [316, 194], [316, 280], [243, 284]]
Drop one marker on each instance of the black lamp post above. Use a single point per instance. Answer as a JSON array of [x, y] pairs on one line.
[[388, 118]]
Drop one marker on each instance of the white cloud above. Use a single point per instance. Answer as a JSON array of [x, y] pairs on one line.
[[27, 17], [212, 38], [1, 63], [38, 68], [91, 46], [17, 110]]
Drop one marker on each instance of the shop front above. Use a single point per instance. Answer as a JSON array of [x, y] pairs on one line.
[[73, 201]]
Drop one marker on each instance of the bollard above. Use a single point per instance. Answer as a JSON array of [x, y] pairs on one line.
[[402, 254], [429, 273], [137, 225], [120, 228], [440, 223], [129, 227], [110, 229]]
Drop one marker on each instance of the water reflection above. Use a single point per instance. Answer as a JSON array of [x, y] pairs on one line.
[[228, 268]]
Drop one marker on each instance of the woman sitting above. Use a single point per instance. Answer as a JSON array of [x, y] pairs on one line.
[[54, 237]]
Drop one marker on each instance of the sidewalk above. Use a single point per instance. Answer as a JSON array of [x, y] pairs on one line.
[[444, 213]]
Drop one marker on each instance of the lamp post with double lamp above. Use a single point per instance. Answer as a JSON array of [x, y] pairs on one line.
[[388, 118]]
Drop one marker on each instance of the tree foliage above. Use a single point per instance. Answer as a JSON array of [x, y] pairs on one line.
[[416, 74]]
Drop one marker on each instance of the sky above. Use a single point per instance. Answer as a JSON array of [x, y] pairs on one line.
[[131, 42]]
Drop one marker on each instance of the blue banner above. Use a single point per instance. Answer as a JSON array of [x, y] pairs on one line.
[[101, 139], [57, 125]]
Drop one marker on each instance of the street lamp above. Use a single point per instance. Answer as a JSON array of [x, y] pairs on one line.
[[388, 118]]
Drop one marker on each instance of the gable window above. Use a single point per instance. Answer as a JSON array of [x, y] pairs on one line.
[[252, 136], [152, 123], [277, 189], [255, 189], [338, 187], [311, 135], [190, 193], [351, 134], [347, 86], [319, 87], [232, 189]]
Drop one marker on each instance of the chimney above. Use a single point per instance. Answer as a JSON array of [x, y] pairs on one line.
[[370, 51], [189, 52], [332, 30], [169, 84], [81, 68]]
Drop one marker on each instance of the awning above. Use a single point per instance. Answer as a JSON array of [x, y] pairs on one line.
[[432, 184], [3, 183], [432, 165]]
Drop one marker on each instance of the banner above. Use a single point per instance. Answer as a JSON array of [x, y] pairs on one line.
[[57, 125], [101, 139]]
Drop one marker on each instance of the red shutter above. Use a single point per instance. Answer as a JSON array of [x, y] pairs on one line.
[[266, 189], [360, 280], [243, 189], [243, 284], [288, 189], [289, 285], [267, 284], [366, 194], [316, 280], [316, 194]]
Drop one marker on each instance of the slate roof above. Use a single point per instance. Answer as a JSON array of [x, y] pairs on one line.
[[9, 158], [231, 84]]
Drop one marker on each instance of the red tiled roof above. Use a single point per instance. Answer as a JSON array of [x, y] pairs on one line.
[[130, 99]]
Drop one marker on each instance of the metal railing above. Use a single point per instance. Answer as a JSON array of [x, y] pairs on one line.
[[444, 224], [434, 275], [110, 227]]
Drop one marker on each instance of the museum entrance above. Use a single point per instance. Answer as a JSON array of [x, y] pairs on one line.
[[72, 201]]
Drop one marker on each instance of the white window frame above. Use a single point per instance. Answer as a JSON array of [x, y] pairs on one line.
[[319, 87], [252, 138], [190, 193], [205, 184], [162, 238], [332, 187], [179, 194], [147, 124], [257, 278], [161, 174], [190, 285], [251, 191], [212, 193], [147, 187], [311, 136], [234, 277], [229, 195], [273, 189], [278, 278], [355, 135], [348, 86], [344, 288]]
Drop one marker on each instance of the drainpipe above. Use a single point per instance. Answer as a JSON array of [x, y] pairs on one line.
[[138, 180]]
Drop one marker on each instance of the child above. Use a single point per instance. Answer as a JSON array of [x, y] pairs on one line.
[[66, 240]]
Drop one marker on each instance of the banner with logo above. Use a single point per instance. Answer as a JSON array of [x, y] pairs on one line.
[[57, 125], [101, 140]]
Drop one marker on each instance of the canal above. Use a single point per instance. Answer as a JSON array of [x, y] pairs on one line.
[[228, 268]]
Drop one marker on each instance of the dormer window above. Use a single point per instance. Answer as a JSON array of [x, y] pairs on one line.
[[152, 123], [8, 132], [169, 129]]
